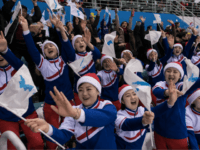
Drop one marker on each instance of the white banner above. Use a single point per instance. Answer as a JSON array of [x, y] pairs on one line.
[[191, 77], [141, 88], [53, 4], [14, 16], [20, 88], [153, 37], [108, 47], [80, 64], [76, 12]]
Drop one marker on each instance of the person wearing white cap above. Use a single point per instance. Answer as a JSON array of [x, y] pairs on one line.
[[133, 120], [179, 52], [155, 67], [193, 119], [92, 122], [54, 70], [170, 129], [77, 50], [126, 56], [109, 78]]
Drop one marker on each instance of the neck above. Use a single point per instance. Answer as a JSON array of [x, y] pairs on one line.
[[197, 109]]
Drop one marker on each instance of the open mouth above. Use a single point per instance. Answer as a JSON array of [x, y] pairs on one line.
[[133, 103], [2, 59], [171, 78], [85, 99], [50, 52], [81, 46]]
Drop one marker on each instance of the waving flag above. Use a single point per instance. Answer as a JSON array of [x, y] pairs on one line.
[[108, 47], [76, 12], [158, 18], [53, 4], [153, 37], [80, 64], [14, 16], [15, 97], [191, 77], [141, 88]]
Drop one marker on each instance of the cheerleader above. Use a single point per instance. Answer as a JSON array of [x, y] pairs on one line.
[[54, 70], [193, 119], [132, 121], [109, 78], [9, 64], [77, 50], [179, 52], [92, 122], [170, 128], [155, 67]]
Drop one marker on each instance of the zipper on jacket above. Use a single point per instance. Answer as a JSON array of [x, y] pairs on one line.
[[6, 77], [57, 68], [87, 134]]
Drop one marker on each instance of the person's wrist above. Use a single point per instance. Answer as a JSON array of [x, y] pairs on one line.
[[46, 128]]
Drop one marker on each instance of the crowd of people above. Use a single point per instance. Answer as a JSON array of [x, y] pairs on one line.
[[96, 108]]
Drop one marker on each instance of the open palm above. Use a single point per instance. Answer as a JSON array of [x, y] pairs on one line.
[[3, 42], [64, 108]]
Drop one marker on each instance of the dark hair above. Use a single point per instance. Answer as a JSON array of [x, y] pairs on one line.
[[149, 27], [124, 22], [24, 7]]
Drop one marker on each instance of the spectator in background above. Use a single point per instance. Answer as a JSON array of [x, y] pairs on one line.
[[105, 26]]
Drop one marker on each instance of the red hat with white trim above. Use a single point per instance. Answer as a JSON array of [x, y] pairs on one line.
[[123, 90], [92, 79], [176, 65], [149, 51], [191, 98], [178, 45], [103, 57]]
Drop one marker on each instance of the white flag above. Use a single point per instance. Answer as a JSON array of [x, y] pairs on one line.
[[108, 47], [15, 97], [158, 18], [43, 18], [153, 36], [107, 10], [191, 77], [15, 14], [53, 4], [76, 12], [80, 64], [141, 88]]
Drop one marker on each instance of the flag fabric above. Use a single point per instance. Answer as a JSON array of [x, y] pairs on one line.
[[80, 64], [76, 12], [14, 16], [107, 11], [153, 36], [158, 18], [108, 47], [191, 77], [141, 88], [191, 24], [15, 97], [53, 4], [197, 1]]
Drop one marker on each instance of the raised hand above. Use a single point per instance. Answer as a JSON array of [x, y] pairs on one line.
[[121, 61], [34, 2], [23, 23], [3, 42], [195, 32], [87, 36], [54, 19], [147, 118], [113, 65], [173, 93], [115, 10], [60, 25], [142, 19], [98, 11], [36, 124], [170, 21], [133, 12], [64, 108]]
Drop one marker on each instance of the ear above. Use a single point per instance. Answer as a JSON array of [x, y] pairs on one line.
[[122, 101]]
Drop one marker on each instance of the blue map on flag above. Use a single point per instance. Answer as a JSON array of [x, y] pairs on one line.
[[25, 86], [192, 78], [141, 83]]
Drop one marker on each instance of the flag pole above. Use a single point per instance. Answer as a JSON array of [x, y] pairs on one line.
[[38, 129]]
